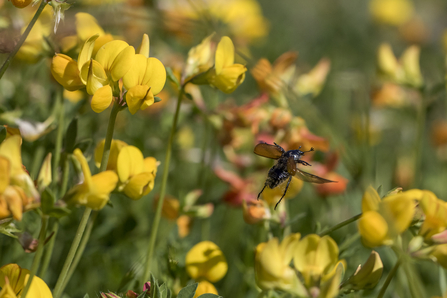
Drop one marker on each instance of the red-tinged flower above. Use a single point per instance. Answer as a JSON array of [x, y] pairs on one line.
[[326, 170], [240, 189], [299, 135]]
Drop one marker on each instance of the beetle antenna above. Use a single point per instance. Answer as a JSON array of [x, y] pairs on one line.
[[311, 149]]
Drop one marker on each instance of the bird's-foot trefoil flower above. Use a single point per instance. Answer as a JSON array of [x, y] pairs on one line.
[[94, 191], [205, 261]]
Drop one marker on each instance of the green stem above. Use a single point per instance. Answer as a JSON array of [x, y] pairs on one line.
[[59, 137], [49, 251], [389, 278], [37, 160], [65, 172], [82, 245], [414, 282], [38, 256], [340, 225], [154, 228], [22, 38], [109, 136], [71, 253]]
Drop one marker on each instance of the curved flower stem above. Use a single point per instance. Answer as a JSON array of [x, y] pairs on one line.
[[49, 250], [154, 228], [82, 245], [8, 60], [109, 136], [389, 278], [38, 256], [340, 225]]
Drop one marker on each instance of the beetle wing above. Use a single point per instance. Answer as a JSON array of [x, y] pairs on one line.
[[291, 166], [307, 177], [267, 150]]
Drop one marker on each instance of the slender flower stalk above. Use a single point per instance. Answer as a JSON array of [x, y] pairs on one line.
[[59, 136], [38, 256], [340, 225], [154, 228], [8, 60], [64, 277], [389, 278], [49, 250]]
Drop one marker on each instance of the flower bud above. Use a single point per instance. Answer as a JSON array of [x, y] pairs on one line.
[[366, 276], [44, 179]]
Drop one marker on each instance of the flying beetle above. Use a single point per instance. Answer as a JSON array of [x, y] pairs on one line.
[[286, 166]]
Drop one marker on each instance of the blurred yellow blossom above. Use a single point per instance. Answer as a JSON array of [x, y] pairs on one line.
[[272, 265], [405, 71], [205, 287], [73, 96], [44, 179], [13, 278], [435, 211], [366, 276], [316, 258], [383, 220], [206, 261], [272, 195], [94, 191], [21, 3], [145, 79], [312, 82], [391, 12], [440, 254], [17, 190], [200, 58], [254, 211], [170, 208], [226, 75]]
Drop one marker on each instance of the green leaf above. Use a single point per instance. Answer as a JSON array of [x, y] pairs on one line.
[[59, 212], [156, 293], [163, 291], [71, 135], [168, 293], [442, 280], [172, 77], [7, 228], [379, 190], [157, 99], [83, 145], [188, 96], [47, 200], [188, 291], [2, 133], [145, 294], [86, 296], [209, 295]]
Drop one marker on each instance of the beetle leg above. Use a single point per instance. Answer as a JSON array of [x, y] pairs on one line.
[[262, 191], [304, 163], [285, 191]]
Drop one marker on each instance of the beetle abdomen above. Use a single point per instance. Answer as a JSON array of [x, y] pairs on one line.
[[277, 175]]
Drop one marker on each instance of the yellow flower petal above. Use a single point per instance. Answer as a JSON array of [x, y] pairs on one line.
[[148, 100], [206, 260], [139, 185], [155, 75], [15, 275], [65, 71], [130, 162], [123, 62], [105, 182], [10, 149], [85, 168], [205, 287], [135, 97], [87, 25], [135, 75], [102, 99], [370, 200], [102, 40], [143, 49], [86, 52], [115, 149], [151, 165], [5, 167], [398, 210], [373, 229], [117, 57], [94, 76], [224, 54]]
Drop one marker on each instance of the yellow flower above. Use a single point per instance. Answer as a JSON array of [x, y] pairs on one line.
[[272, 195], [86, 26], [313, 81], [435, 212], [366, 276], [383, 220], [13, 279], [95, 190], [17, 190], [440, 253], [391, 12], [200, 58], [406, 71], [65, 71], [205, 261], [44, 179], [226, 75], [144, 80], [136, 173], [316, 258], [205, 287], [272, 270]]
